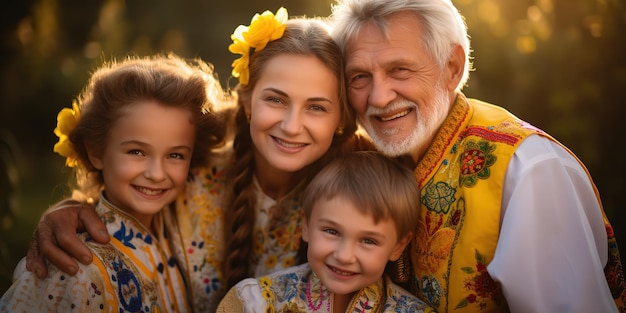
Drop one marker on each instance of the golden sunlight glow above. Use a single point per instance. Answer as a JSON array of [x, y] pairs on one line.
[[546, 6], [534, 13], [489, 11], [594, 24], [526, 44]]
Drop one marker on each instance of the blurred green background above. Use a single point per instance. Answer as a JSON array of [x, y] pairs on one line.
[[559, 64]]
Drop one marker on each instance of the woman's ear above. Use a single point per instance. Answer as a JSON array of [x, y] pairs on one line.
[[95, 160], [397, 250]]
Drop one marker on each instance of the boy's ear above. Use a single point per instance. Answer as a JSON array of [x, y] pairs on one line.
[[95, 160], [396, 253], [305, 229]]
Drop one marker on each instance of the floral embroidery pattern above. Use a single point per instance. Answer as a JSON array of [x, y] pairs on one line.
[[430, 287], [300, 290], [439, 230], [481, 283], [438, 197], [215, 180], [475, 162], [614, 272]]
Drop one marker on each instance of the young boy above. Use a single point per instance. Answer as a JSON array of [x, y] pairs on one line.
[[358, 214]]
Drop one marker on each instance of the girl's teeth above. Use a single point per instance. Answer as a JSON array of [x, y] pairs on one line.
[[150, 192]]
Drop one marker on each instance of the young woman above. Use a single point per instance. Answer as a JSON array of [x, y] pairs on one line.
[[131, 138], [240, 216]]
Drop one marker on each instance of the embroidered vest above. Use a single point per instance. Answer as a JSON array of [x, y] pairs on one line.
[[465, 167]]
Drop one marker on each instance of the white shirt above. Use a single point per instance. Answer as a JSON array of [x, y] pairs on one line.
[[552, 247]]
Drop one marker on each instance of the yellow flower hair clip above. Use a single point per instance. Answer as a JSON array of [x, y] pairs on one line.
[[67, 119], [263, 28]]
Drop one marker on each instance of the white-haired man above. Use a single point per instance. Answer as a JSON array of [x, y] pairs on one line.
[[511, 219]]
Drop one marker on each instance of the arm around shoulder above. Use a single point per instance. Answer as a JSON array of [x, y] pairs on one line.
[[55, 239]]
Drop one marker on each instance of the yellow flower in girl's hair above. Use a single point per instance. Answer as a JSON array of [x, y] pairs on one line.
[[67, 119], [264, 27]]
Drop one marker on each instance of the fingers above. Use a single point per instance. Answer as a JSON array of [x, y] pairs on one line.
[[34, 261], [55, 238], [89, 219], [54, 254]]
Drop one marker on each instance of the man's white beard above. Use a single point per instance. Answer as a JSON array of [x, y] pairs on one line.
[[422, 132]]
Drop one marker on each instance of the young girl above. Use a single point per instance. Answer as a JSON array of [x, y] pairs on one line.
[[240, 216], [131, 137], [358, 214]]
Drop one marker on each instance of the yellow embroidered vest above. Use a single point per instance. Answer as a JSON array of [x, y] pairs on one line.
[[464, 168]]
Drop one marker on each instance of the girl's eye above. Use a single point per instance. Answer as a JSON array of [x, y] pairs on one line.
[[274, 99], [136, 152], [177, 156]]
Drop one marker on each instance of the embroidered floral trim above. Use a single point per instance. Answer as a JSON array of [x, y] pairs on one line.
[[476, 161], [458, 117], [481, 283]]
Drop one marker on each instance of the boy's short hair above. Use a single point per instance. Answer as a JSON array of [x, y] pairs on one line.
[[376, 184]]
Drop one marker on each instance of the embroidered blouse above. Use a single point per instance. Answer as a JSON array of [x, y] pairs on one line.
[[200, 218], [135, 272]]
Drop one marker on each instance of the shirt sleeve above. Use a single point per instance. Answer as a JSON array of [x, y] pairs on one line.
[[58, 292], [250, 293], [552, 247]]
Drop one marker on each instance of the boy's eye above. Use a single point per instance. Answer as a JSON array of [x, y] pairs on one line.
[[369, 241], [135, 152], [331, 231]]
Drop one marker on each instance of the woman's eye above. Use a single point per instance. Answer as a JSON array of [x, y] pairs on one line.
[[317, 107], [135, 152]]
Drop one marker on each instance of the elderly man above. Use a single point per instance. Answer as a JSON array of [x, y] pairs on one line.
[[511, 219]]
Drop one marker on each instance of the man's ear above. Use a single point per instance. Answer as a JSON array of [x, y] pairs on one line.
[[305, 229], [455, 67], [397, 250], [95, 160]]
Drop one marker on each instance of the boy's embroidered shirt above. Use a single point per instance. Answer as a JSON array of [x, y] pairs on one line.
[[298, 289], [135, 272]]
